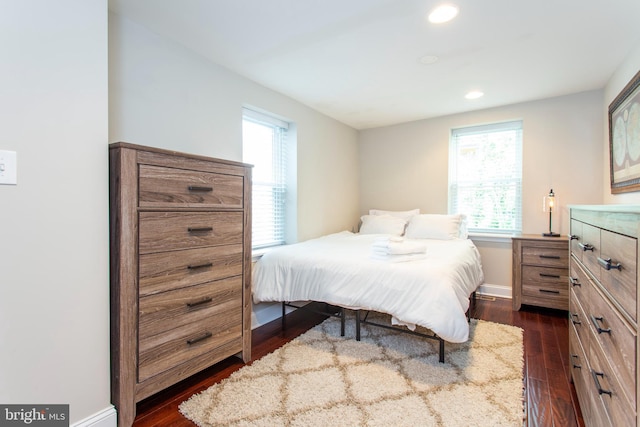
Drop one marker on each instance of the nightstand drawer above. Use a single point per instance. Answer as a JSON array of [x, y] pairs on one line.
[[545, 256], [545, 291], [169, 187], [545, 275]]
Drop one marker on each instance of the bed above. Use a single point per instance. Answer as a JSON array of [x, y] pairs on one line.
[[430, 289]]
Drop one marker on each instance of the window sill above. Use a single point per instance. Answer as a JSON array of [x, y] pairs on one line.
[[486, 237]]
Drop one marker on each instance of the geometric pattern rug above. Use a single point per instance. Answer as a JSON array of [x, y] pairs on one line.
[[386, 379]]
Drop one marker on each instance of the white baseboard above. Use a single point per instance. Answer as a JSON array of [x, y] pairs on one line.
[[108, 417], [495, 290]]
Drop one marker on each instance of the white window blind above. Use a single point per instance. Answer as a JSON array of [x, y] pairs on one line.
[[485, 176], [264, 146]]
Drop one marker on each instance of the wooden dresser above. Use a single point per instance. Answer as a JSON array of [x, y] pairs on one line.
[[603, 312], [540, 271], [180, 268]]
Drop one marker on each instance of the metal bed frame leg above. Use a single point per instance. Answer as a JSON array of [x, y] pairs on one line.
[[441, 356], [357, 325], [341, 314], [284, 312], [472, 303]]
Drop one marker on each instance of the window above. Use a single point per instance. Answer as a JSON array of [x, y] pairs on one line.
[[485, 176], [264, 146]]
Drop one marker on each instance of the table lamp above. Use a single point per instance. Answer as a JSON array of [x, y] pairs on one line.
[[549, 203]]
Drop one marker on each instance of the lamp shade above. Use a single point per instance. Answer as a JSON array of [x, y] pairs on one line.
[[549, 202]]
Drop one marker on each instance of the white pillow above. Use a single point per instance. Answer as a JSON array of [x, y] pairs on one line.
[[382, 224], [406, 215], [436, 226]]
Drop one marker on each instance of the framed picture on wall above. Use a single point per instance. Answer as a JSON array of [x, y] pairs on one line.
[[624, 138]]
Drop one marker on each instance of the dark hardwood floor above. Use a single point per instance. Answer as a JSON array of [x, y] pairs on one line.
[[550, 396]]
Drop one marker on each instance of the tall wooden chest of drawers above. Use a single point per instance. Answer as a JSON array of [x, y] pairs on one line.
[[540, 271], [603, 312], [180, 268]]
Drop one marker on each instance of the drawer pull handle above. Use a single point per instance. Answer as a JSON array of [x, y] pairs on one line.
[[549, 256], [199, 229], [200, 338], [573, 237], [575, 356], [575, 322], [200, 302], [596, 324], [195, 267], [586, 247], [553, 276], [607, 265], [595, 376], [574, 281], [200, 189], [549, 291]]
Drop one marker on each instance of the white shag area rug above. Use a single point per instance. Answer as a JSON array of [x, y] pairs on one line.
[[387, 379]]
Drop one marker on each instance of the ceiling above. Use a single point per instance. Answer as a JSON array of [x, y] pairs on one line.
[[359, 61]]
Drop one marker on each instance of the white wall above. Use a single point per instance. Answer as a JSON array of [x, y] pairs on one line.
[[623, 75], [166, 96], [406, 166], [54, 232]]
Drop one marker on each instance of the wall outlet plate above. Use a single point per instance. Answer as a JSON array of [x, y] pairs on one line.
[[8, 167]]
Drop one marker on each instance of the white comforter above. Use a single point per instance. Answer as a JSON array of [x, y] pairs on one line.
[[338, 269]]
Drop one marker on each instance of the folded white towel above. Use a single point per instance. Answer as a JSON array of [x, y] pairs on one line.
[[383, 242], [399, 248], [398, 258]]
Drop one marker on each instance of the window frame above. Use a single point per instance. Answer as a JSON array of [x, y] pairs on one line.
[[278, 182], [515, 179]]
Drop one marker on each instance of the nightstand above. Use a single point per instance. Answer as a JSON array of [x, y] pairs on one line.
[[540, 271]]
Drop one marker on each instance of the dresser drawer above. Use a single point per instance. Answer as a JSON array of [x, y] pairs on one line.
[[168, 310], [590, 248], [167, 350], [576, 239], [169, 187], [615, 337], [164, 271], [619, 251], [578, 321], [578, 281], [545, 256], [580, 372], [186, 344], [607, 392], [167, 231]]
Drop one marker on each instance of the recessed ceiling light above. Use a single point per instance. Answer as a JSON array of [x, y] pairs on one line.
[[443, 13], [474, 94], [428, 59]]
